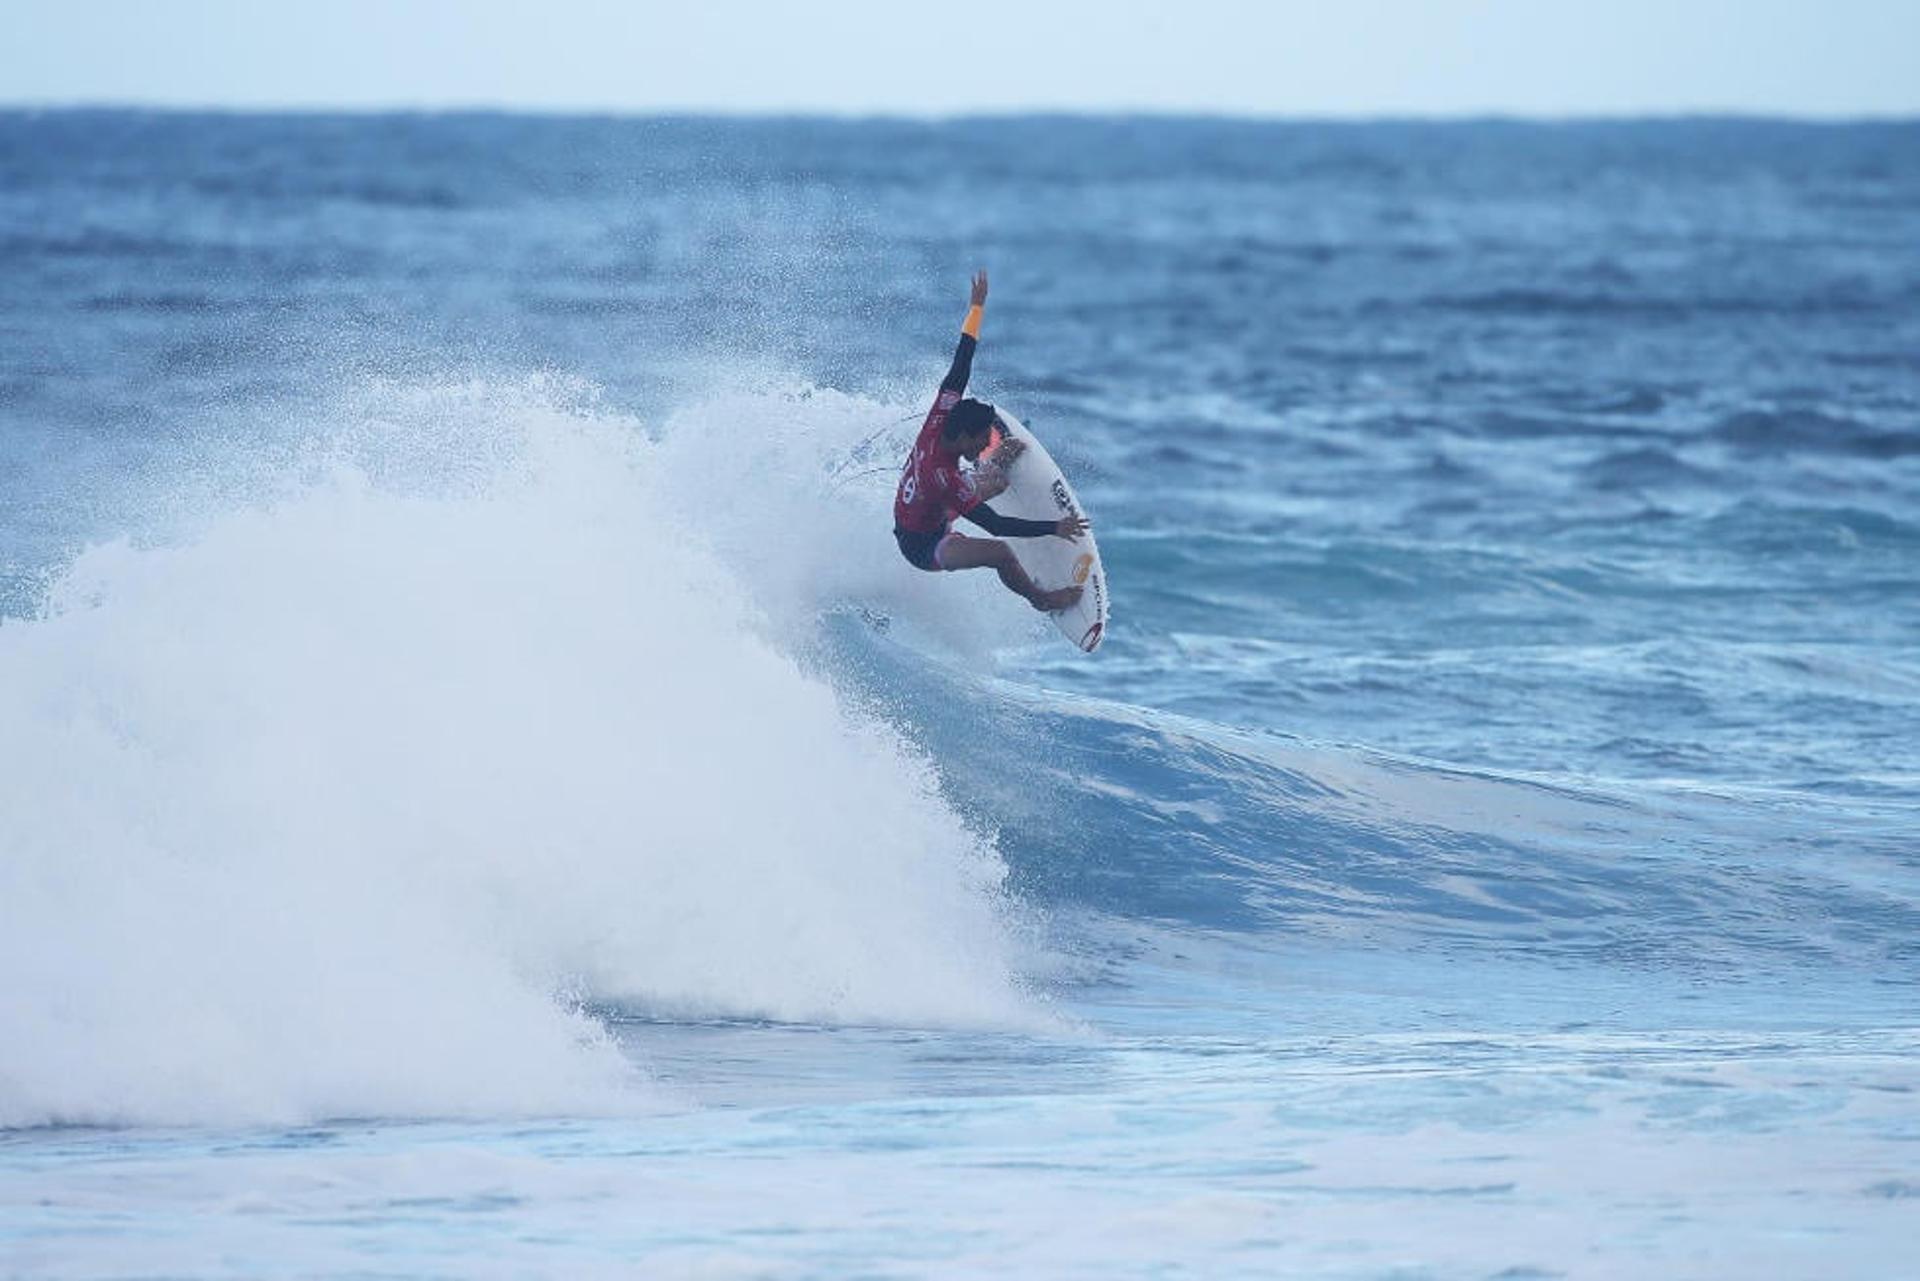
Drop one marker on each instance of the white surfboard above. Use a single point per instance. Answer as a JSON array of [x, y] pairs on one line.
[[1036, 490]]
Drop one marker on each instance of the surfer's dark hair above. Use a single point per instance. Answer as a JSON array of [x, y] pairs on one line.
[[968, 418]]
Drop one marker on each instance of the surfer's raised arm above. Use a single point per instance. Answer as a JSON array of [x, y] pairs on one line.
[[962, 368]]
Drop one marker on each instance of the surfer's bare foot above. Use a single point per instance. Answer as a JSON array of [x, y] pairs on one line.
[[1058, 599]]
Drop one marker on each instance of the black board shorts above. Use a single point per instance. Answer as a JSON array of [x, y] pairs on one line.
[[918, 547]]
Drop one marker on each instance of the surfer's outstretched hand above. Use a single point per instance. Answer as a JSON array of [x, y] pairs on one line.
[[979, 288], [1070, 527]]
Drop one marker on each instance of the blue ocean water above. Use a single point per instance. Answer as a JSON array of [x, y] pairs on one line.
[[480, 793]]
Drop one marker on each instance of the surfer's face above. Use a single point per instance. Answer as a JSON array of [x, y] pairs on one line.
[[971, 447]]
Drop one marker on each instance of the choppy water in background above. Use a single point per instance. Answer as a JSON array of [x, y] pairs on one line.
[[482, 794]]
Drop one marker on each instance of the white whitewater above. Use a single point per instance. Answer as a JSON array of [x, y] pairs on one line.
[[337, 803]]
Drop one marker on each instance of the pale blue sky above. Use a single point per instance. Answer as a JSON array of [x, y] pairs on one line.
[[1336, 57]]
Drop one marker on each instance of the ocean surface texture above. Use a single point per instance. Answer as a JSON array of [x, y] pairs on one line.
[[482, 795]]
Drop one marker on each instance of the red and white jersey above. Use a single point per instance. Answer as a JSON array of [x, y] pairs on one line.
[[933, 488]]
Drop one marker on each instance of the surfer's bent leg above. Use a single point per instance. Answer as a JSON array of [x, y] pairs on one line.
[[957, 551]]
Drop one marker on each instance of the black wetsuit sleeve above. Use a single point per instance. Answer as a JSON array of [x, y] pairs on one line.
[[962, 369], [1007, 526]]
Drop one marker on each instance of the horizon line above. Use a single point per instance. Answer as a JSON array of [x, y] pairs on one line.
[[854, 115]]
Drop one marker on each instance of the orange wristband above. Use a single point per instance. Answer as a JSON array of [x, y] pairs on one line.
[[971, 325]]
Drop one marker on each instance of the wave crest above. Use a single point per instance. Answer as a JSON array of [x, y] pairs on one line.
[[338, 805]]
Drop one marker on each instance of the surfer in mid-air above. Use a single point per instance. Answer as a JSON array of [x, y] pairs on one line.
[[934, 489]]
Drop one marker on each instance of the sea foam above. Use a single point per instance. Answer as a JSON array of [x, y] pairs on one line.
[[344, 801]]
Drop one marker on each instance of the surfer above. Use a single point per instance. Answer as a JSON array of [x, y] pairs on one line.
[[934, 489]]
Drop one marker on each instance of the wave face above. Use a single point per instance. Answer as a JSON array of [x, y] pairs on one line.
[[1125, 819], [340, 802]]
